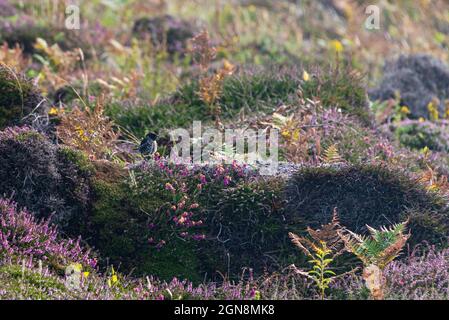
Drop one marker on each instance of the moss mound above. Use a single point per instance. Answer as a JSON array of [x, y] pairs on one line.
[[418, 79], [166, 30], [18, 98], [246, 229], [367, 194], [243, 225], [25, 32], [118, 225], [42, 177]]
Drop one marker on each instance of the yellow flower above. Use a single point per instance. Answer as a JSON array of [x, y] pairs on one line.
[[425, 151], [53, 111], [305, 76], [421, 119], [433, 111], [86, 274], [41, 44], [405, 110], [285, 134], [296, 135], [113, 279], [228, 67], [337, 46]]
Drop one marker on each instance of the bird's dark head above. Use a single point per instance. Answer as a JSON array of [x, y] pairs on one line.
[[152, 136]]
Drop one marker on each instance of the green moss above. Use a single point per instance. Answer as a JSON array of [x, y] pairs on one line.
[[29, 284], [177, 259], [118, 227], [246, 228], [111, 222], [78, 158], [18, 97]]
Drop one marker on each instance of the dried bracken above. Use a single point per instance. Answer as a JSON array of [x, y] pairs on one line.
[[89, 131], [322, 247], [210, 86]]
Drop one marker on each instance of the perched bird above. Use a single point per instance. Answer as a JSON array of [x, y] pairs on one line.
[[148, 146]]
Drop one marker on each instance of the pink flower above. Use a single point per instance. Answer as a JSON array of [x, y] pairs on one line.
[[168, 186], [227, 180]]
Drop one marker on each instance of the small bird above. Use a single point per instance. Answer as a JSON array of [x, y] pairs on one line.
[[148, 146]]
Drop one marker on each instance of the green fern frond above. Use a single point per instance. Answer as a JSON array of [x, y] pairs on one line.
[[380, 248], [331, 155]]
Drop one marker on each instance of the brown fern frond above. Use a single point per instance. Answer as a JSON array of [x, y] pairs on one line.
[[328, 233], [297, 241]]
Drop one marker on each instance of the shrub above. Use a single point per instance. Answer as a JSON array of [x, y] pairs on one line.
[[6, 9], [155, 222], [89, 131], [42, 177], [365, 194], [419, 79], [418, 135], [245, 228], [423, 275], [22, 237], [166, 30], [18, 98]]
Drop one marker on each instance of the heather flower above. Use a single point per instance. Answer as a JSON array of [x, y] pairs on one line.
[[227, 180], [21, 236], [169, 186]]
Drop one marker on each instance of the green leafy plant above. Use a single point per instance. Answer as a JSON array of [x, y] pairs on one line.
[[322, 247], [376, 251]]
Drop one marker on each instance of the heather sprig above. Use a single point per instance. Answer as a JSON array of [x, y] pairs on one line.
[[22, 236]]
